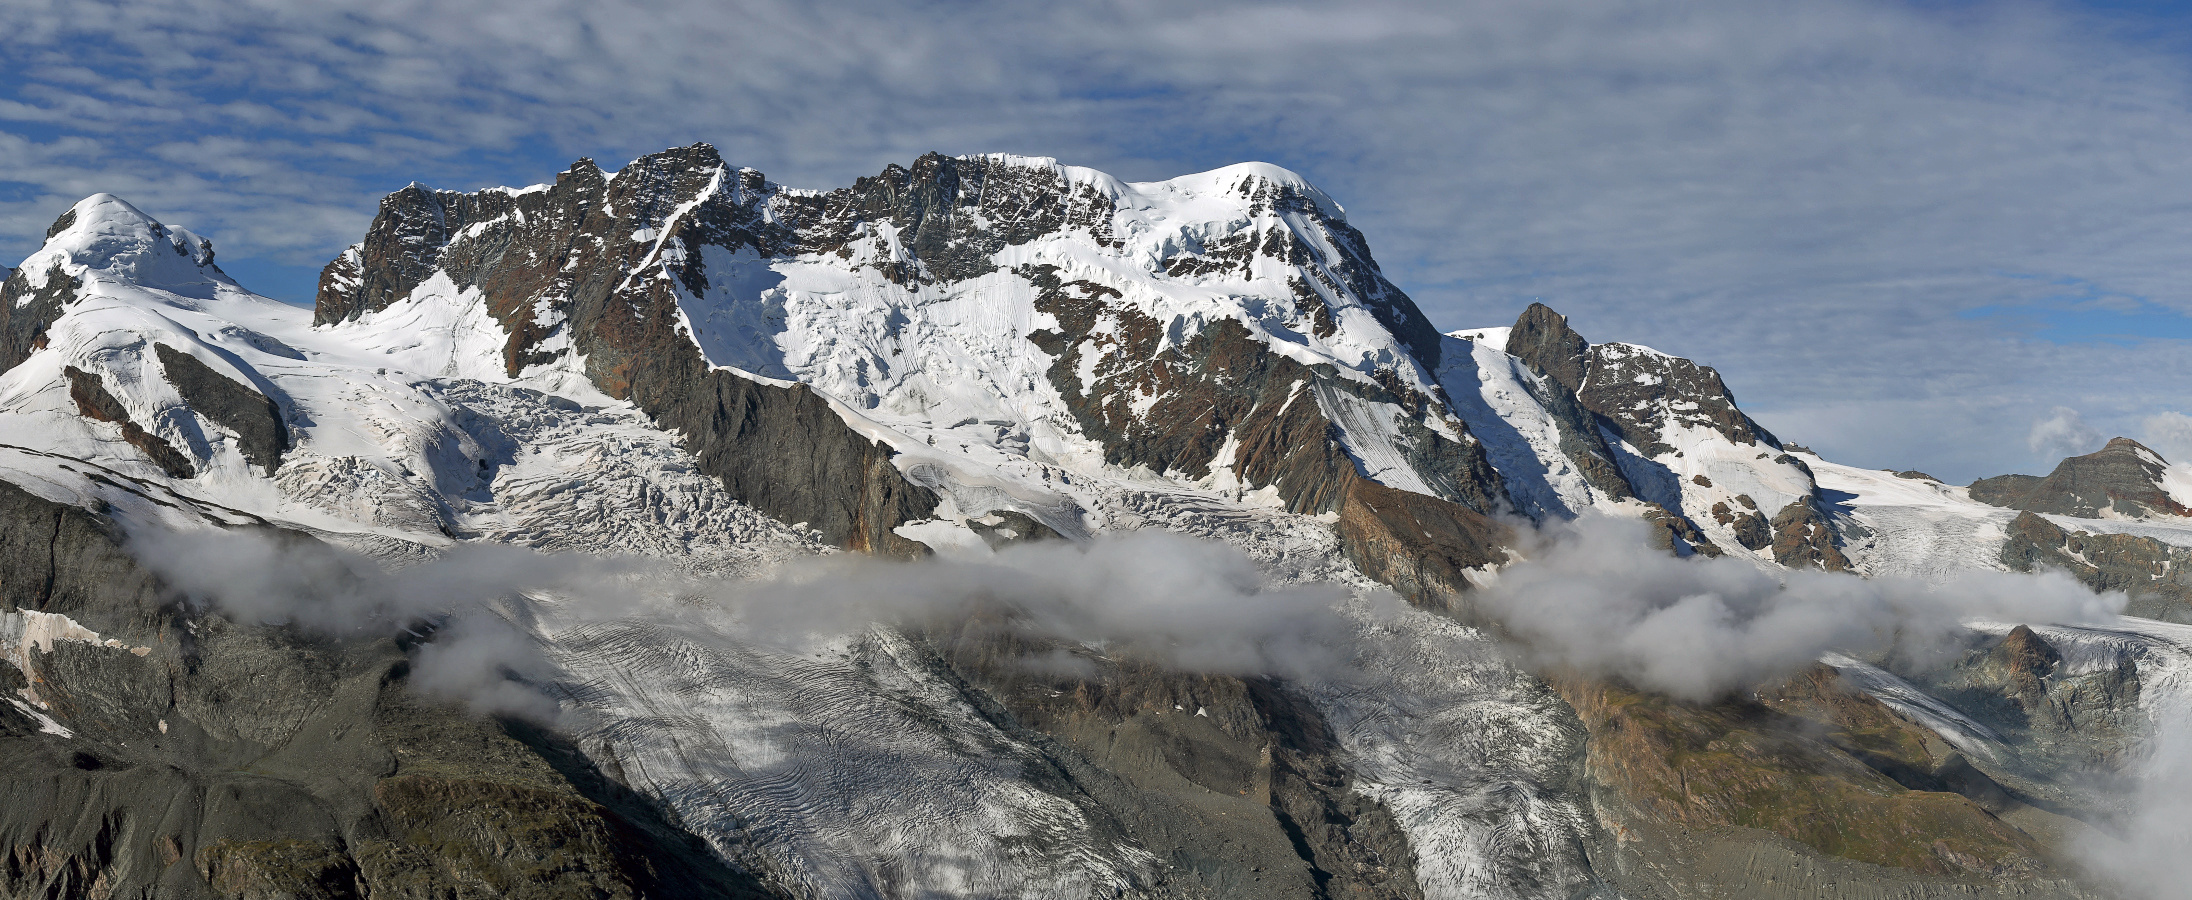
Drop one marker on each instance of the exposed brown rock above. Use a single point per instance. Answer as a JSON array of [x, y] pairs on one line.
[[92, 400], [1004, 528], [2061, 726], [1234, 780], [2027, 654], [2152, 572], [1420, 545], [570, 250], [1742, 764], [261, 434], [1641, 393], [1223, 383], [2004, 490], [1802, 539], [1750, 528], [1542, 339], [2123, 477], [1673, 532], [1866, 729], [1638, 392], [279, 869], [26, 312]]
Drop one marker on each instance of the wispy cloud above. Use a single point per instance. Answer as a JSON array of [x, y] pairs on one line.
[[2170, 434], [1806, 196], [2062, 432], [1594, 597], [1152, 597]]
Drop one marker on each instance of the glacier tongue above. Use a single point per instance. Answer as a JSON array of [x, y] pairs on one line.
[[848, 771]]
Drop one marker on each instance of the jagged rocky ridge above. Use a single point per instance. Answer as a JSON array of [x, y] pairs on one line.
[[1637, 424], [676, 280], [683, 359]]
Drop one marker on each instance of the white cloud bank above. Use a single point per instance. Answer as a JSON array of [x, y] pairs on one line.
[[1593, 597]]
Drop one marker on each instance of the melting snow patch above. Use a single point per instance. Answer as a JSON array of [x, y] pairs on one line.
[[46, 724]]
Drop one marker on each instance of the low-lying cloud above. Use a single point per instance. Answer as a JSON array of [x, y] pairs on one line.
[[1590, 597], [2151, 856], [1593, 597], [1154, 597], [2170, 434]]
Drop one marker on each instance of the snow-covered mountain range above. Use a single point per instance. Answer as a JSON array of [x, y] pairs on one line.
[[685, 362]]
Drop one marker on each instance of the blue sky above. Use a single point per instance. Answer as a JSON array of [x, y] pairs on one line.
[[1940, 235]]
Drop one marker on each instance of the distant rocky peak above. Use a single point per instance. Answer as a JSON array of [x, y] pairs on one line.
[[2144, 454], [2124, 478]]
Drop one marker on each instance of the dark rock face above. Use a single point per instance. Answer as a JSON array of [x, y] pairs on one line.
[[219, 759], [2150, 571], [93, 401], [566, 255], [1542, 339], [256, 420], [1420, 545], [1224, 383], [1636, 392], [1675, 533], [2026, 655], [1802, 539], [943, 209], [569, 253], [66, 221], [1806, 761], [1640, 393], [1221, 383], [2124, 477], [784, 451], [2004, 490], [26, 312], [1234, 782], [1004, 528], [1751, 529], [399, 251]]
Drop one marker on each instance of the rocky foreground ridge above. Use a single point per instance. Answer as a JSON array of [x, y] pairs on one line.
[[685, 362]]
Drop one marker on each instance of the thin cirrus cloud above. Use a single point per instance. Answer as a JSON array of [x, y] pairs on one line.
[[1904, 233]]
